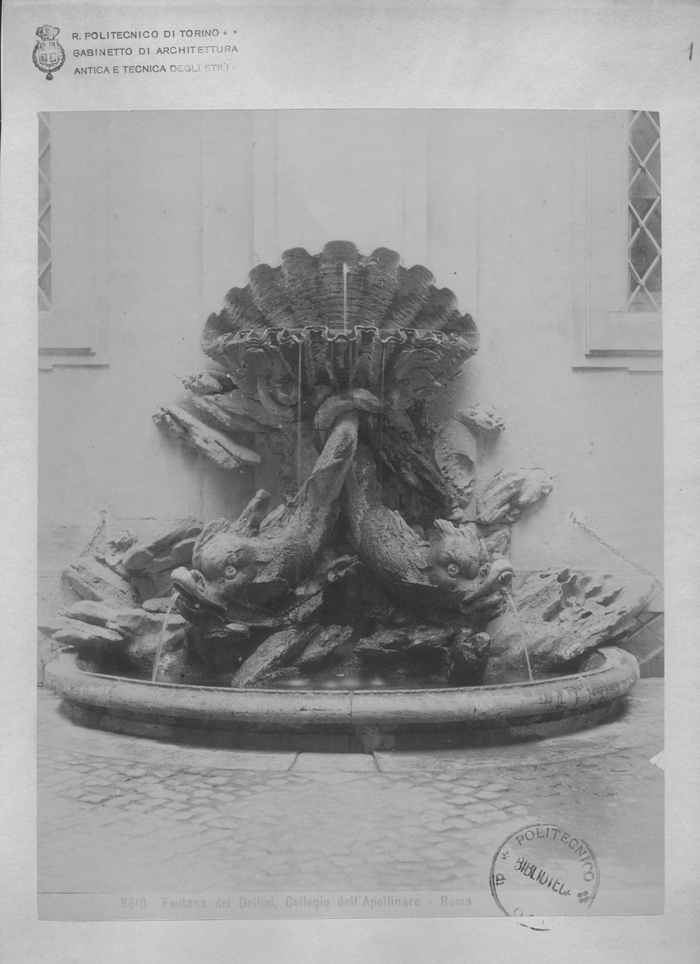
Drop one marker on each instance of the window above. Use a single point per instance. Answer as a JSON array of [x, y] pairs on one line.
[[644, 254], [44, 241], [72, 242], [617, 240]]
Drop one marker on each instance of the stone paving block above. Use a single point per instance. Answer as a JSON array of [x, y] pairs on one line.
[[479, 808], [104, 772], [140, 807], [341, 860], [74, 792], [168, 832], [481, 818], [335, 763], [441, 876], [500, 815], [136, 830], [435, 826], [181, 799], [429, 853], [331, 778], [224, 823]]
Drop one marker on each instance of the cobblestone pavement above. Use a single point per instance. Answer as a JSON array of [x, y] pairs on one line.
[[119, 814]]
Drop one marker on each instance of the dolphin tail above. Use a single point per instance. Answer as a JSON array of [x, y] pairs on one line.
[[326, 480]]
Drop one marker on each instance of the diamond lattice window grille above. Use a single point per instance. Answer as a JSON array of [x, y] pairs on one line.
[[644, 212], [44, 246]]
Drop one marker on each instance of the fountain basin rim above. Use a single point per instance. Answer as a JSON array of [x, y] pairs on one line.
[[493, 705], [607, 663]]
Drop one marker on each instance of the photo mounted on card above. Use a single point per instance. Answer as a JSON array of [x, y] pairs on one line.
[[350, 508]]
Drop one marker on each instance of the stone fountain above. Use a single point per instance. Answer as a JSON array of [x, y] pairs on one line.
[[369, 607]]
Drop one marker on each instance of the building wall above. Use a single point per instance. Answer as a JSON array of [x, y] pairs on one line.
[[99, 447], [598, 432], [485, 199]]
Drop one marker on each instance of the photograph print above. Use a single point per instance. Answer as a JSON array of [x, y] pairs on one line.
[[350, 513]]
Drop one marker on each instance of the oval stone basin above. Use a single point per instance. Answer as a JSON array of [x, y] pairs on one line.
[[359, 721]]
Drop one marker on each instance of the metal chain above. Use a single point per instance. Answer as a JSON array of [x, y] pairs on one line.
[[617, 552]]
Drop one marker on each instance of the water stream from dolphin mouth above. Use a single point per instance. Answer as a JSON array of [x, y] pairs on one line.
[[159, 649], [346, 271], [523, 635], [381, 412], [299, 419]]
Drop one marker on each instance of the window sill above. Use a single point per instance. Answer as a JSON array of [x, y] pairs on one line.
[[50, 358], [617, 361]]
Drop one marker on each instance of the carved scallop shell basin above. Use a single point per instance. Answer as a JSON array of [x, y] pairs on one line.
[[340, 319], [358, 721]]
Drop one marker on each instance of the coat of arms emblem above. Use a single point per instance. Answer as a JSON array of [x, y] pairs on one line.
[[48, 54]]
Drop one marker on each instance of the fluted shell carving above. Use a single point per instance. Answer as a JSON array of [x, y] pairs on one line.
[[340, 319]]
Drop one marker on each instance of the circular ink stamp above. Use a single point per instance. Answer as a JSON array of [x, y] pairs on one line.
[[543, 871]]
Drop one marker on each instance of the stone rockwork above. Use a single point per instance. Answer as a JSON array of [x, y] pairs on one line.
[[481, 419], [53, 624], [159, 604], [118, 638], [112, 552], [89, 611], [170, 548], [565, 616], [95, 643], [137, 624], [323, 648], [149, 563], [214, 407], [277, 651], [89, 579], [215, 445], [208, 383], [510, 492], [430, 655]]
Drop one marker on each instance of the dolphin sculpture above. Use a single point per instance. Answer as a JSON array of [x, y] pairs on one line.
[[260, 558], [448, 570]]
